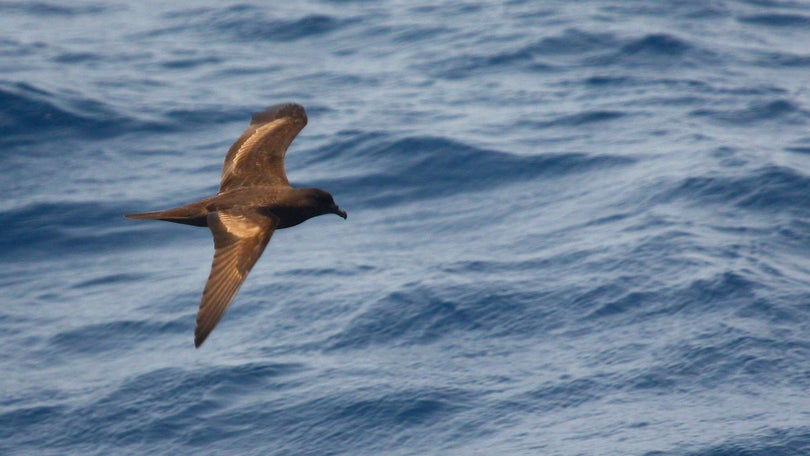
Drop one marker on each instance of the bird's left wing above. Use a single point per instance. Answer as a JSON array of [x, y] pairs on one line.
[[257, 157], [240, 236]]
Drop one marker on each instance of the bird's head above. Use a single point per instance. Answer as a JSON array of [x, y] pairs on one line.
[[324, 202]]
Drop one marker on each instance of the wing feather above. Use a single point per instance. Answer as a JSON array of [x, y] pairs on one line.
[[240, 237], [257, 157]]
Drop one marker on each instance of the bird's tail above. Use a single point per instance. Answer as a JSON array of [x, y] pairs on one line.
[[192, 214]]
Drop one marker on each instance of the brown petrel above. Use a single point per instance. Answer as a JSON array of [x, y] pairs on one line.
[[253, 201]]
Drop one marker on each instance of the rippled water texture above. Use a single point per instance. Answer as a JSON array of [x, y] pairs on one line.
[[574, 228]]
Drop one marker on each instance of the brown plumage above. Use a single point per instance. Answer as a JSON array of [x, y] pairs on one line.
[[255, 199]]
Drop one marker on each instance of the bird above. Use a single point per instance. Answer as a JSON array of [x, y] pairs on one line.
[[254, 200]]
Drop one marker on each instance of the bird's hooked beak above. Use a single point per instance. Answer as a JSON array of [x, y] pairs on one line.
[[336, 210]]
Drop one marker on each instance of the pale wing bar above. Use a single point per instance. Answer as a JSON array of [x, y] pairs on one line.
[[240, 237], [257, 157]]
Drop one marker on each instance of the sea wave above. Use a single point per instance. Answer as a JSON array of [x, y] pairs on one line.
[[414, 168]]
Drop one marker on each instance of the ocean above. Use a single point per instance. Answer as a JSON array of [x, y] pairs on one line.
[[574, 228]]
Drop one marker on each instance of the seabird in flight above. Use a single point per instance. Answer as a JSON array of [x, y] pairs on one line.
[[254, 199]]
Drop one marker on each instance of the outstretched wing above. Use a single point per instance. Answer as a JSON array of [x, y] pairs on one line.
[[257, 157], [240, 237]]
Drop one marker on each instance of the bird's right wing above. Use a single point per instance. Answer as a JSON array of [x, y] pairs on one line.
[[240, 236], [257, 157]]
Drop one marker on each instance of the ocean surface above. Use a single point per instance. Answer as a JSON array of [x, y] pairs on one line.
[[575, 228]]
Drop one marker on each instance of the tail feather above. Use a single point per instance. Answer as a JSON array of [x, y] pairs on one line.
[[192, 214]]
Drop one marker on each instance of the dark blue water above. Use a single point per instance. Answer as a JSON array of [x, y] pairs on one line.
[[575, 228]]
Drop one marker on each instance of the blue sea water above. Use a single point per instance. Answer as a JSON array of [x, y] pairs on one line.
[[575, 228]]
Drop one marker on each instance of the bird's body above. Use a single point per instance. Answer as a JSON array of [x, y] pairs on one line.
[[290, 205], [254, 200]]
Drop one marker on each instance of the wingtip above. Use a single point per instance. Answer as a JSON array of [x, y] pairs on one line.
[[289, 110]]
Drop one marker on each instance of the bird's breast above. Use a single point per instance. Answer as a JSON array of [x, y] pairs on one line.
[[289, 216]]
